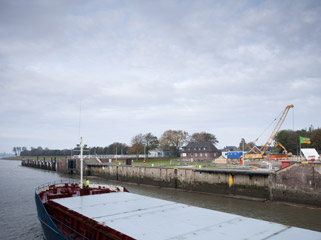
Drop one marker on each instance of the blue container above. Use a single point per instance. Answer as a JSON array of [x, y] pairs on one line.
[[234, 155]]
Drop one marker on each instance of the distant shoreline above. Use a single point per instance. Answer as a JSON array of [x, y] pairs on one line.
[[19, 158], [9, 158]]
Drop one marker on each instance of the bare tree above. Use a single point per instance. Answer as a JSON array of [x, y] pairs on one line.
[[137, 145], [15, 150], [173, 140]]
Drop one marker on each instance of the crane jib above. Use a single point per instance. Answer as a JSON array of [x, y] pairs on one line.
[[271, 138]]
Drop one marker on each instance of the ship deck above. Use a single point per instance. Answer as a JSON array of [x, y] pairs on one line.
[[142, 217]]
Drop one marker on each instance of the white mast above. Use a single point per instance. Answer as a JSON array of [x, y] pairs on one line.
[[81, 162]]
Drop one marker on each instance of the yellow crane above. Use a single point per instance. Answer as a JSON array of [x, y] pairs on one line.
[[256, 153]]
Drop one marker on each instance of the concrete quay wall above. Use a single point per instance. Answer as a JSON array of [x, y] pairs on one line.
[[225, 182], [297, 183]]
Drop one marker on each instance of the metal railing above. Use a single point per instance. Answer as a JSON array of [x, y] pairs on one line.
[[61, 183], [46, 186]]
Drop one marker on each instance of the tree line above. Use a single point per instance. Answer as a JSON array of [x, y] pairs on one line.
[[291, 140], [173, 140], [170, 140], [17, 150], [39, 151]]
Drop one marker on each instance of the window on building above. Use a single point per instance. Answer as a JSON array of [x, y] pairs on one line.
[[201, 154], [195, 154]]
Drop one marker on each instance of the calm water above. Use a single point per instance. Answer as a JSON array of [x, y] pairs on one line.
[[18, 217]]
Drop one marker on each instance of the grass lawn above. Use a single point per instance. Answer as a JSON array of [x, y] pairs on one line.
[[151, 162], [165, 163]]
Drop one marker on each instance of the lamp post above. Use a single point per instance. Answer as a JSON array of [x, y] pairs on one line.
[[116, 155], [243, 154]]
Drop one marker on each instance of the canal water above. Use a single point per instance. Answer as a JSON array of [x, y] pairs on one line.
[[18, 216]]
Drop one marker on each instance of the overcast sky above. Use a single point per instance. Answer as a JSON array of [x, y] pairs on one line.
[[224, 67]]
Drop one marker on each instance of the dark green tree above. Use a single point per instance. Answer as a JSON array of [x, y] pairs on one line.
[[116, 147], [290, 140], [204, 137], [316, 139], [242, 144], [150, 141]]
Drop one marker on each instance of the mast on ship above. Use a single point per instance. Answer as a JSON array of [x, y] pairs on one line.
[[81, 162]]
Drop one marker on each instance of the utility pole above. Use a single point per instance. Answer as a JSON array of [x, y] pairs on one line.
[[116, 154], [300, 150]]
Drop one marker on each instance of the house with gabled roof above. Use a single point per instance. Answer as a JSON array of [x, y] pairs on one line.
[[230, 149], [199, 151]]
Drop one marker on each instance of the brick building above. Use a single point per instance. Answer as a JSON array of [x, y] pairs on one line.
[[199, 151]]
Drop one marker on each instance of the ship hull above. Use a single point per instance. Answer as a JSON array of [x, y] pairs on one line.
[[68, 212], [59, 223], [50, 230]]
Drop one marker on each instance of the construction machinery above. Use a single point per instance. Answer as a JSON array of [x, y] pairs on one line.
[[257, 153], [284, 149], [275, 153]]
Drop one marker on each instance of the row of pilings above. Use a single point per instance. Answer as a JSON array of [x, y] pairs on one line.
[[42, 164]]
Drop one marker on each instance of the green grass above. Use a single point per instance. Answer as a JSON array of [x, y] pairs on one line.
[[165, 163], [158, 162]]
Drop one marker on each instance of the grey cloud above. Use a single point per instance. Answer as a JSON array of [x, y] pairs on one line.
[[152, 65]]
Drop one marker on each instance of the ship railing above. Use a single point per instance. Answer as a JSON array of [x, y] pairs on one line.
[[58, 183], [61, 183]]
